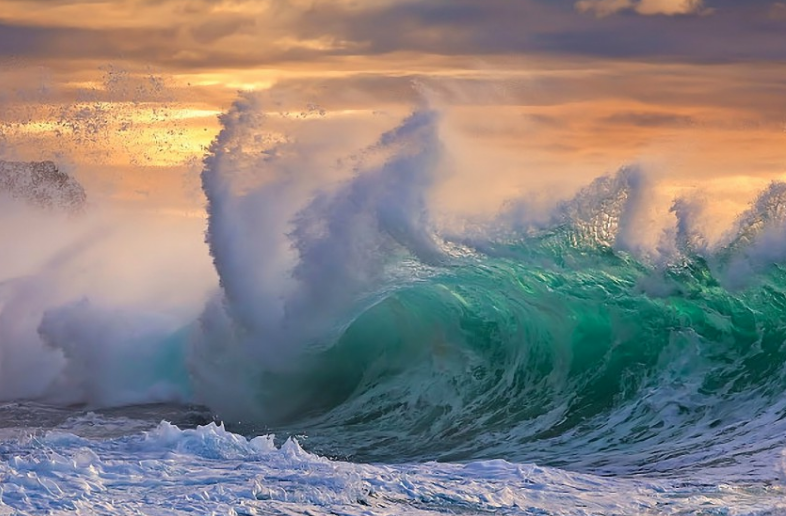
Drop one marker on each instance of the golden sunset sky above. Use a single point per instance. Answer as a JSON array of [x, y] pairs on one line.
[[537, 94]]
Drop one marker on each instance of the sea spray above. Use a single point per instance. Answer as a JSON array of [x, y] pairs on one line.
[[297, 263], [92, 307]]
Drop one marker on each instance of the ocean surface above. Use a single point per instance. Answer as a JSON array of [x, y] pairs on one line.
[[358, 359]]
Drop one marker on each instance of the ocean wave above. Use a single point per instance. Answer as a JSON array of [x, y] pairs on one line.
[[345, 313]]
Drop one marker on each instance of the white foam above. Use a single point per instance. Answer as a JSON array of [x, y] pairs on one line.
[[209, 470]]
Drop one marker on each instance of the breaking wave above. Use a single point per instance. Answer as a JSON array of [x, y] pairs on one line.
[[345, 313]]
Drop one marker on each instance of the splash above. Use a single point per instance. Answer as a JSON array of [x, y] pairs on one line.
[[346, 312], [296, 262]]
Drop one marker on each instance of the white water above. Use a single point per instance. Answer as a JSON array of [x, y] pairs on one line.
[[208, 470]]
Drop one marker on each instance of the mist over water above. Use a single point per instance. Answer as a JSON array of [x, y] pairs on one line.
[[592, 335], [88, 302]]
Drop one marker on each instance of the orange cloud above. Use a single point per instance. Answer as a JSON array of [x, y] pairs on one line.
[[536, 90]]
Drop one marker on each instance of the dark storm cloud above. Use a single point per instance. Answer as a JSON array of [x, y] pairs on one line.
[[201, 37], [734, 31]]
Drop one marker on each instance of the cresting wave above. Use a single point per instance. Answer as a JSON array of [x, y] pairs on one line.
[[562, 343], [345, 313]]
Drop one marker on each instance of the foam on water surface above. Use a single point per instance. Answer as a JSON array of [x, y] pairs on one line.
[[209, 470]]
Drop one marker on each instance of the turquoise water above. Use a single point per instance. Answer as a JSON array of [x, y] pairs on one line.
[[557, 345], [538, 349]]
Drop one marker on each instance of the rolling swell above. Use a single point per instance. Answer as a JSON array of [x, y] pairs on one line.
[[570, 366], [557, 348], [562, 344]]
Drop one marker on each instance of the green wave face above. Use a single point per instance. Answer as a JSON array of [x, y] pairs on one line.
[[545, 352], [558, 344], [558, 349]]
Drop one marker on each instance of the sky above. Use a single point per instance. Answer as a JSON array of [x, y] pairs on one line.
[[538, 95]]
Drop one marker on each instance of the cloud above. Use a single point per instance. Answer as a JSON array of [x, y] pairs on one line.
[[778, 11], [650, 119], [212, 30], [671, 7], [602, 8], [408, 36]]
